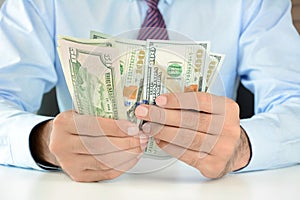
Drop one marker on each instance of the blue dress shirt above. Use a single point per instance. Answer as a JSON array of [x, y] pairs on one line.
[[257, 36]]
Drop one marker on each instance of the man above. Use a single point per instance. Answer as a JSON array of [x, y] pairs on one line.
[[203, 130]]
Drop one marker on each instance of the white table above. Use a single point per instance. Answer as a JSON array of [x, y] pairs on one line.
[[177, 181]]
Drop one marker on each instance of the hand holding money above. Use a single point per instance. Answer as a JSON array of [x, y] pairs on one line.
[[200, 129], [109, 77], [94, 148]]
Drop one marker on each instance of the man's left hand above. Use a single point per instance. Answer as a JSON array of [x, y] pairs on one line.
[[200, 129]]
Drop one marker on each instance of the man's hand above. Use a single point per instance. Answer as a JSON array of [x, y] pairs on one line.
[[200, 129], [90, 148]]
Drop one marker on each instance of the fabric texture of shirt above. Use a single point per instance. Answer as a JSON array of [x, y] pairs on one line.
[[261, 45]]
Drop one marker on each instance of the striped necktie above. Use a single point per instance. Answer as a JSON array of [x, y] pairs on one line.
[[154, 26]]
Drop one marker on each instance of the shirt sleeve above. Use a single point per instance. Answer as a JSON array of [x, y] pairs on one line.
[[270, 68], [26, 72]]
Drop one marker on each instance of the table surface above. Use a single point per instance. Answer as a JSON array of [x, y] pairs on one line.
[[177, 181]]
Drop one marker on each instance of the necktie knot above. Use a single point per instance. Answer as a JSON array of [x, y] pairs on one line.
[[152, 4], [154, 26]]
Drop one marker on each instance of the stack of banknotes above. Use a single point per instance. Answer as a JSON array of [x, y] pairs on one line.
[[109, 76]]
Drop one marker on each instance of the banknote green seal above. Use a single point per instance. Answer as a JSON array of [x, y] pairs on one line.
[[174, 69]]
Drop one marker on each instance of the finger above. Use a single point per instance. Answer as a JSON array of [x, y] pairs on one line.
[[99, 175], [209, 165], [222, 146], [112, 160], [185, 138], [79, 162], [188, 156], [109, 161], [198, 101], [188, 119], [75, 123], [103, 145]]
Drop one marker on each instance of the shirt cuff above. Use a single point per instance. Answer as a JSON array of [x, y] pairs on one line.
[[19, 140], [265, 145]]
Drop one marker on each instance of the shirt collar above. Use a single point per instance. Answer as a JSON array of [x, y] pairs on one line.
[[168, 2]]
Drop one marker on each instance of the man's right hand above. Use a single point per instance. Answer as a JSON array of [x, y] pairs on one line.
[[90, 148]]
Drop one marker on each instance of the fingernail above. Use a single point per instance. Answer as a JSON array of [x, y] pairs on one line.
[[161, 100], [141, 111], [143, 139], [146, 128], [132, 131]]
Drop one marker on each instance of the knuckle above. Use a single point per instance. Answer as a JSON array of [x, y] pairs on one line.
[[229, 101], [157, 114], [214, 171], [208, 123], [203, 97], [55, 148], [209, 174], [101, 162], [79, 177], [112, 175], [190, 119], [205, 101], [232, 106], [74, 173], [61, 118], [85, 145], [197, 142], [98, 165]]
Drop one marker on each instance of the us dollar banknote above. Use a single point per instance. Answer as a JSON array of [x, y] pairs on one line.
[[92, 75], [109, 76], [172, 67], [212, 69], [132, 62], [132, 56]]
